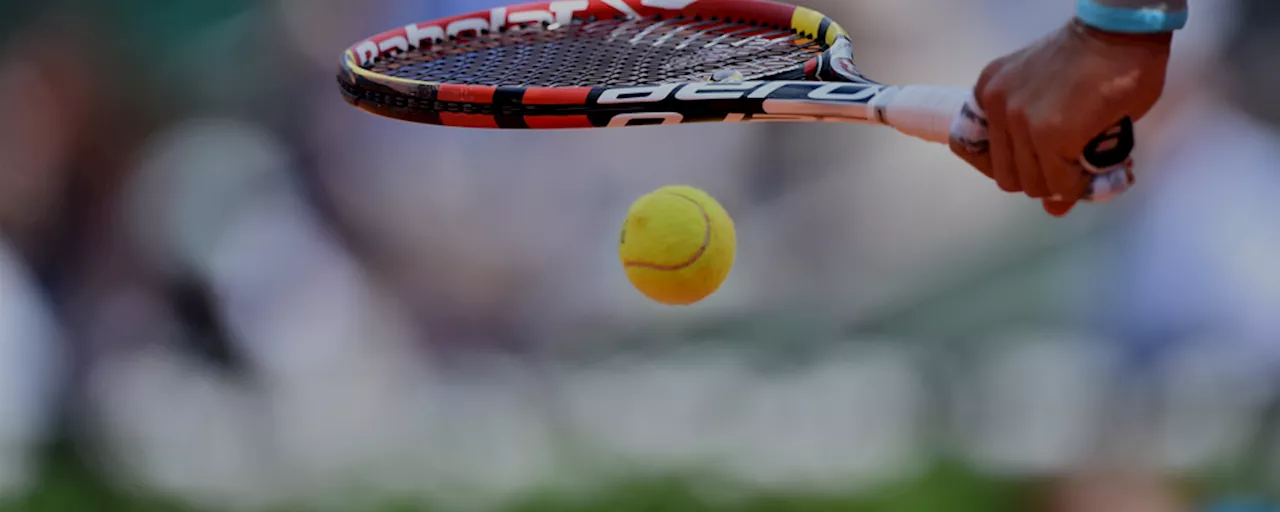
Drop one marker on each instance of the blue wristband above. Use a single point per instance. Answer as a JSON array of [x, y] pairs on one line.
[[1129, 21]]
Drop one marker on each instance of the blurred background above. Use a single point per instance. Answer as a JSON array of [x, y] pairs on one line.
[[222, 288]]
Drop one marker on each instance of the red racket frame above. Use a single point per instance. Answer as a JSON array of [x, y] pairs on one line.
[[482, 106]]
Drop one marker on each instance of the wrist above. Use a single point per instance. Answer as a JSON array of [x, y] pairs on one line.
[[1133, 16], [1120, 38]]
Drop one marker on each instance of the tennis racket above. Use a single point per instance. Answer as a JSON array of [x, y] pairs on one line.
[[623, 63]]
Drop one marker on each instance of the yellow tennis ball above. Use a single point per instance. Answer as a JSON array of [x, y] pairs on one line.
[[677, 245]]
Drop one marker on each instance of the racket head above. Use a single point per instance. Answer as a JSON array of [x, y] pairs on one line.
[[548, 64]]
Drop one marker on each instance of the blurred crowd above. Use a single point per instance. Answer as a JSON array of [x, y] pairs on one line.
[[224, 284]]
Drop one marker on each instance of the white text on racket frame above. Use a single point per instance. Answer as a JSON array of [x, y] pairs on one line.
[[823, 101], [412, 36]]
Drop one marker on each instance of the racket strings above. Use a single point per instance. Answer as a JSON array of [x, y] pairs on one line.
[[611, 52]]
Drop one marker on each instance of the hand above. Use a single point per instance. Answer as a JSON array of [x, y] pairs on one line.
[[1046, 102]]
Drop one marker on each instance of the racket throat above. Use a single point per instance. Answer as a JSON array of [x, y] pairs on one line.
[[835, 65]]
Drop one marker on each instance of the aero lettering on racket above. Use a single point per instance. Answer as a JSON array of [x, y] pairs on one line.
[[619, 63]]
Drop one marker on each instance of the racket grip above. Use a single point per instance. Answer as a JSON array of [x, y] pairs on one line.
[[925, 111], [943, 114]]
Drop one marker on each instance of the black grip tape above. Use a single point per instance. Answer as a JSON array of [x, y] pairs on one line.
[[1112, 148]]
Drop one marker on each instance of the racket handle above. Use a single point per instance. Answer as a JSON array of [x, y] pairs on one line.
[[925, 111], [941, 114]]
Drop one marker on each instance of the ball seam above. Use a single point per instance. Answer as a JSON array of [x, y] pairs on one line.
[[706, 242]]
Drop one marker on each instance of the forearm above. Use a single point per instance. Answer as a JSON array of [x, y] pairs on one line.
[[1164, 5]]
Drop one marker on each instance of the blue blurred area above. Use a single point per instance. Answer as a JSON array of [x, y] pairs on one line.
[[1242, 504], [409, 10]]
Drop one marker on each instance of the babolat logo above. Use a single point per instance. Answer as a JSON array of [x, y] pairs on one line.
[[412, 36]]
